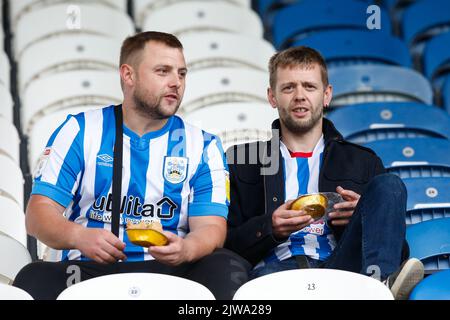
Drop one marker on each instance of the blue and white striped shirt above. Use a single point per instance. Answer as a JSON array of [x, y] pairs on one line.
[[301, 176], [171, 174]]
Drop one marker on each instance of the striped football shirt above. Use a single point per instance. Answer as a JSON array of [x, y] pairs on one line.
[[168, 175], [301, 176]]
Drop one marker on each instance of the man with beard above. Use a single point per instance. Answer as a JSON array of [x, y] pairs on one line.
[[172, 173], [364, 233]]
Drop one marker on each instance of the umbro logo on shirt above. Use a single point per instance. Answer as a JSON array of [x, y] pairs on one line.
[[106, 160]]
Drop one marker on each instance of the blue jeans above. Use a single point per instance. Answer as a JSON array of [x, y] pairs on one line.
[[373, 240]]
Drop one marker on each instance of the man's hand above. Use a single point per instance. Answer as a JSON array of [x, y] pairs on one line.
[[100, 245], [174, 253], [344, 210], [285, 222]]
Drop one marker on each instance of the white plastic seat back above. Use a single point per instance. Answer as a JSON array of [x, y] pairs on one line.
[[69, 89], [137, 286], [4, 67], [69, 18], [12, 220], [194, 16], [6, 103], [235, 123], [143, 7], [14, 257], [68, 52], [9, 140], [11, 182], [216, 49], [44, 128], [314, 284], [21, 7], [8, 292], [210, 86]]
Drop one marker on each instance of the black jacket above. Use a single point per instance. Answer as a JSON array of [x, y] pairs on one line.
[[254, 197]]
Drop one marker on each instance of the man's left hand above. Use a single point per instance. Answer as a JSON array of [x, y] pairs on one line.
[[173, 254], [344, 210]]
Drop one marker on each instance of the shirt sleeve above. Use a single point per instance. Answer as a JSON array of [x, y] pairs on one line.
[[210, 188], [57, 171]]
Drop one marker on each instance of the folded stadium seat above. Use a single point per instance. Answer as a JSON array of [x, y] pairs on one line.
[[423, 20], [366, 122], [137, 286], [218, 49], [349, 47], [2, 36], [18, 8], [11, 182], [436, 58], [8, 292], [267, 8], [220, 85], [68, 52], [142, 8], [434, 287], [95, 19], [436, 62], [9, 141], [68, 89], [314, 284], [446, 94], [14, 257], [194, 16], [376, 83], [4, 69], [12, 220], [396, 9], [414, 158], [428, 198], [6, 103], [43, 128], [235, 123], [429, 241], [297, 21]]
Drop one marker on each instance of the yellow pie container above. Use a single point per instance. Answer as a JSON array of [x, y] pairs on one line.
[[146, 237], [313, 204]]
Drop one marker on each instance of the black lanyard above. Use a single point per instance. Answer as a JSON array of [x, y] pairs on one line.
[[117, 171]]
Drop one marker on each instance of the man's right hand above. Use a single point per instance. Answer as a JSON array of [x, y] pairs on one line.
[[285, 222], [100, 245]]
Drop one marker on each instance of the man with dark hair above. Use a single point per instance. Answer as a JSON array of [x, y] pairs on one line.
[[173, 174], [365, 233]]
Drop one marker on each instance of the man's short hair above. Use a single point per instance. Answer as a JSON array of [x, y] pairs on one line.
[[297, 56], [133, 46]]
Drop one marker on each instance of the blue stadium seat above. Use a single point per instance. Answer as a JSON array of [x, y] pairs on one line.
[[445, 93], [436, 57], [425, 19], [375, 83], [299, 20], [429, 241], [347, 47], [414, 158], [428, 199], [434, 287], [392, 4], [362, 123]]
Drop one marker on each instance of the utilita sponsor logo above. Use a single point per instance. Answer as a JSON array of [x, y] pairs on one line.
[[132, 206]]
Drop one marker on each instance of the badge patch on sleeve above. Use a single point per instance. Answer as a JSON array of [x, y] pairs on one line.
[[42, 162], [227, 185]]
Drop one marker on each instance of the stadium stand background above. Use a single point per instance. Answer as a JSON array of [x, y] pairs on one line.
[[391, 88]]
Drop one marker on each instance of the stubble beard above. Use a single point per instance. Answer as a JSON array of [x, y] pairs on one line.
[[302, 126], [151, 108]]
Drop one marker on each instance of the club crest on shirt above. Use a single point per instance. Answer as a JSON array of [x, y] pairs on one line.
[[175, 169], [42, 162]]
